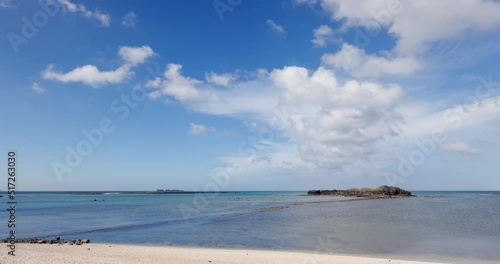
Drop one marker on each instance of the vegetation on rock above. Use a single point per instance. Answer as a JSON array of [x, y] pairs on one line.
[[379, 192]]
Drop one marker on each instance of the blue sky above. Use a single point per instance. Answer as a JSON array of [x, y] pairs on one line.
[[251, 95]]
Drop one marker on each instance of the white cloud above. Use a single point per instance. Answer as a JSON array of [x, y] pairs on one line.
[[89, 75], [458, 146], [92, 76], [177, 86], [219, 79], [420, 122], [322, 86], [35, 87], [240, 98], [273, 27], [322, 36], [130, 20], [103, 18], [196, 129], [5, 4], [416, 24], [338, 122], [154, 83], [417, 41], [135, 55], [262, 72], [309, 2], [331, 123], [253, 126], [359, 64]]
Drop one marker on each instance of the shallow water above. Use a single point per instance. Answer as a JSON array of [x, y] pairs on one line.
[[460, 227]]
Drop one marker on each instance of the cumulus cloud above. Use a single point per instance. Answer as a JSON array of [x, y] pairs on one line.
[[403, 19], [219, 79], [154, 83], [175, 85], [238, 99], [197, 129], [458, 146], [35, 87], [338, 122], [135, 55], [331, 122], [313, 120], [420, 122], [417, 41], [322, 36], [103, 18], [275, 28], [88, 74], [92, 76], [359, 64], [130, 20]]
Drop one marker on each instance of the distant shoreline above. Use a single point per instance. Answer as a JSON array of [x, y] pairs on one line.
[[122, 192], [180, 192]]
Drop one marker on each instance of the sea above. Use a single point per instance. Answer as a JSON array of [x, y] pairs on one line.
[[454, 227]]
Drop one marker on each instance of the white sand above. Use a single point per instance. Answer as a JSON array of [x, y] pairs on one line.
[[107, 253]]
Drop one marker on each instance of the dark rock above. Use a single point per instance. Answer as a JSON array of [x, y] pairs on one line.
[[314, 192], [58, 240], [380, 192]]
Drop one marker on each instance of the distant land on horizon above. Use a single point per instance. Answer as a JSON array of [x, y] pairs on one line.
[[226, 191]]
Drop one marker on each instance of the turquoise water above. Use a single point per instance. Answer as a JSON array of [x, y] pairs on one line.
[[462, 227]]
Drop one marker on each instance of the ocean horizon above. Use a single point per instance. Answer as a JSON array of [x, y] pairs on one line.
[[458, 226]]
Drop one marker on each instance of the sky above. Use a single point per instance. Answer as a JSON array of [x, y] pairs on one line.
[[251, 95]]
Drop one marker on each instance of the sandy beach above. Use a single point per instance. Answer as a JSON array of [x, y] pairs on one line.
[[110, 253]]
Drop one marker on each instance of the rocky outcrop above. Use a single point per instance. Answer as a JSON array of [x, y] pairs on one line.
[[58, 240], [314, 192], [380, 192]]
